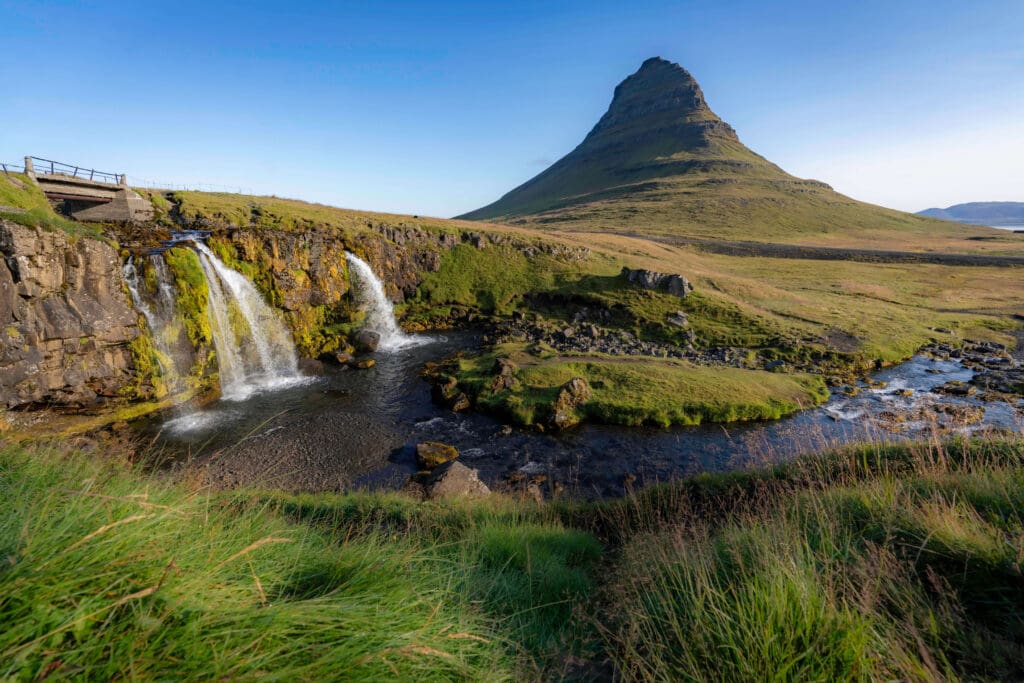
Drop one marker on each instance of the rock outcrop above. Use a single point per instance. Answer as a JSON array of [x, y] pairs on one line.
[[666, 282], [455, 480], [571, 396], [67, 322]]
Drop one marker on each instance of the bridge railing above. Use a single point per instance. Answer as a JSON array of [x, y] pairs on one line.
[[8, 169], [50, 167]]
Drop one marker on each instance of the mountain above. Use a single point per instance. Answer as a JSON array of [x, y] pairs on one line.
[[661, 162], [981, 213]]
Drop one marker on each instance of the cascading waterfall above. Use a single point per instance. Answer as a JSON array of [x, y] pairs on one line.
[[159, 317], [380, 314], [239, 317]]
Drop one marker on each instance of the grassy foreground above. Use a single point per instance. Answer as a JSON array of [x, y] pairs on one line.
[[881, 562]]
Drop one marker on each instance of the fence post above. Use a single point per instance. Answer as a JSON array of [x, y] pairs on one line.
[[30, 170]]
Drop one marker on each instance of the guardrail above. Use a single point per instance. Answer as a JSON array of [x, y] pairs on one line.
[[50, 167], [8, 169]]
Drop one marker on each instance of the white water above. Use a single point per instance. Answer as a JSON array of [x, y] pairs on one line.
[[158, 318], [380, 314], [255, 353]]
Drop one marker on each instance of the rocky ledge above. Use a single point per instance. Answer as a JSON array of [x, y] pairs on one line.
[[67, 322]]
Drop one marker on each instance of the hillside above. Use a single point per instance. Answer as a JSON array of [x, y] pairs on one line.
[[980, 213], [660, 162]]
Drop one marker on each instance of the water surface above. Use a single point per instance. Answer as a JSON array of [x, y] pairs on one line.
[[360, 427]]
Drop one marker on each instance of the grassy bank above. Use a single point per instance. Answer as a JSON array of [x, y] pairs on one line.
[[632, 390], [22, 202], [893, 563], [107, 574], [898, 562]]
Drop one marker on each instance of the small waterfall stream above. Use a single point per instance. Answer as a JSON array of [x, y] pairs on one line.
[[380, 313], [159, 315], [255, 350]]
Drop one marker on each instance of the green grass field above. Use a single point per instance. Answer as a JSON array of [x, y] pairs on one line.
[[879, 562]]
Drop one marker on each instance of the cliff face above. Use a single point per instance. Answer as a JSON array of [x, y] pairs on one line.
[[67, 322], [305, 274]]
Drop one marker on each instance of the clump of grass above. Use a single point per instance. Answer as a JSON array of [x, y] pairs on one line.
[[108, 573], [107, 576], [637, 391], [904, 566], [529, 573]]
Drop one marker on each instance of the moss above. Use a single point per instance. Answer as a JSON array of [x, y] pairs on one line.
[[149, 364], [636, 391], [192, 299], [494, 279]]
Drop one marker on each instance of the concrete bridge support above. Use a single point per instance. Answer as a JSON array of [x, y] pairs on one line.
[[86, 198]]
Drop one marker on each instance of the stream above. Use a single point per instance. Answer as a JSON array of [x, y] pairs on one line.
[[358, 428]]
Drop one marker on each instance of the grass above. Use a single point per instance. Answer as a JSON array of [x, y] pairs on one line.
[[636, 391], [33, 210], [498, 278], [875, 562], [108, 573], [870, 312], [888, 563]]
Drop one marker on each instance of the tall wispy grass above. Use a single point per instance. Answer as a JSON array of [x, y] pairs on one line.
[[109, 575], [898, 562]]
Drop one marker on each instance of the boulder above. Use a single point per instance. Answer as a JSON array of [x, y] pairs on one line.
[[571, 396], [666, 282], [460, 402], [455, 480], [367, 340], [431, 454], [504, 367], [679, 319], [364, 364], [311, 366]]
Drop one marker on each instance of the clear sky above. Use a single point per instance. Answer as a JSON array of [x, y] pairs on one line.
[[437, 108]]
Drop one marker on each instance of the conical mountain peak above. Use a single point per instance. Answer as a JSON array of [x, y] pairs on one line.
[[657, 125], [664, 98]]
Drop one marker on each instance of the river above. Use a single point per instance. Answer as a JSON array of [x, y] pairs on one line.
[[359, 428]]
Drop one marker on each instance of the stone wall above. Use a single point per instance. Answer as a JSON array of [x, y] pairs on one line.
[[65, 317]]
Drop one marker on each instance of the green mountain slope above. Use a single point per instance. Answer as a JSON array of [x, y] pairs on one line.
[[661, 162]]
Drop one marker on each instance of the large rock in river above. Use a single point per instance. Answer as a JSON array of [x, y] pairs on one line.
[[457, 481], [431, 454], [367, 340]]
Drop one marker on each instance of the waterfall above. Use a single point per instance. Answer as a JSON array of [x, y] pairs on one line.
[[380, 314], [160, 316], [255, 350]]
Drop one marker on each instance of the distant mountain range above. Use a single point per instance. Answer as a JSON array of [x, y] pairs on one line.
[[661, 162], [981, 213]]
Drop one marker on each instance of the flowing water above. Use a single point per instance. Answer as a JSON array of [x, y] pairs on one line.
[[360, 428], [255, 350], [159, 310], [380, 313], [344, 428]]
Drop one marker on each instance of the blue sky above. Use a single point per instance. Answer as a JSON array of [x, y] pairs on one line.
[[437, 108]]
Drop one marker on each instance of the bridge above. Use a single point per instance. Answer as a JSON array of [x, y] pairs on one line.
[[88, 194]]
